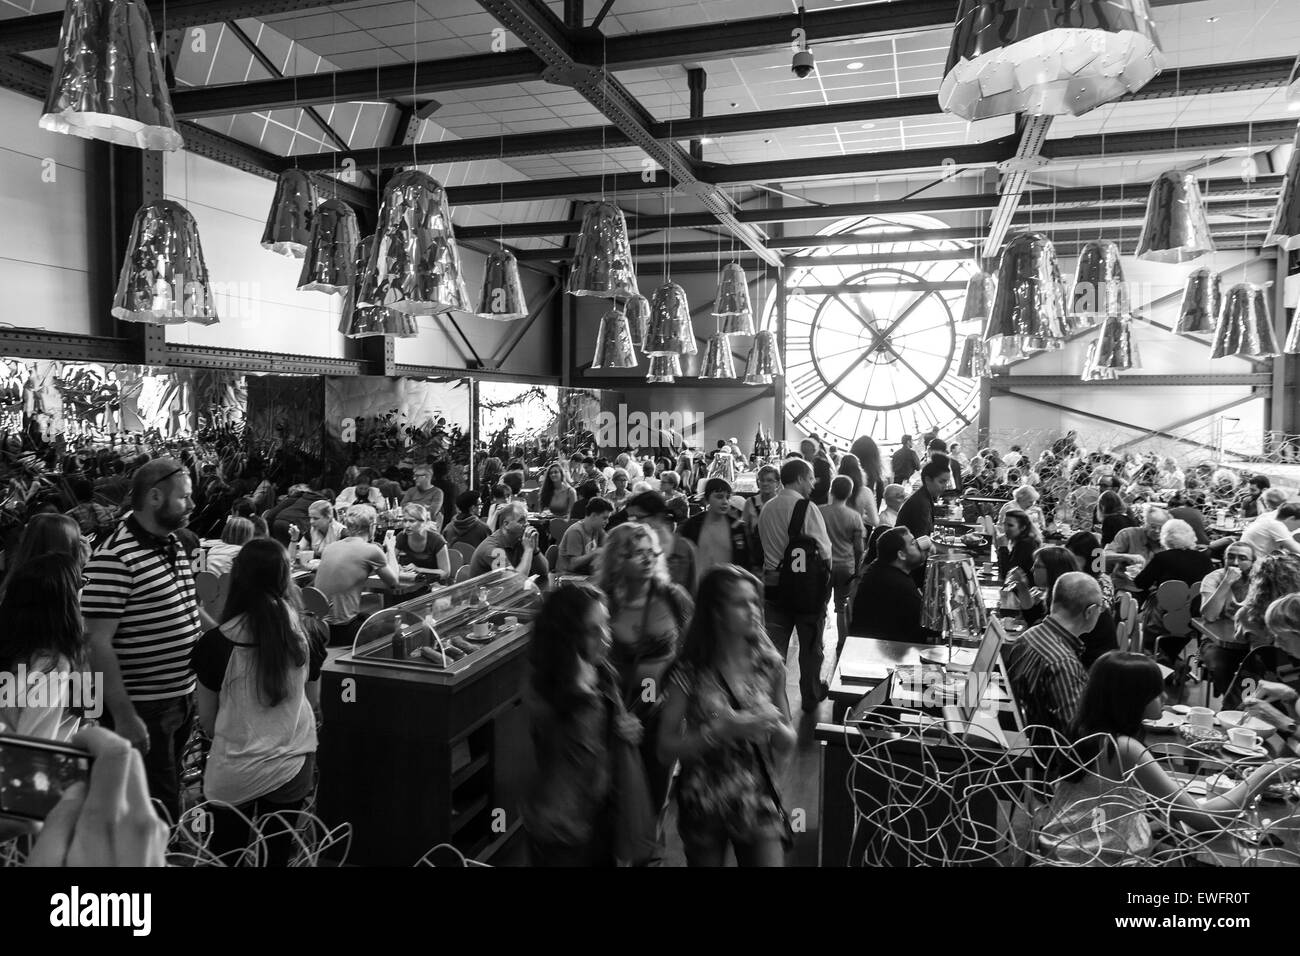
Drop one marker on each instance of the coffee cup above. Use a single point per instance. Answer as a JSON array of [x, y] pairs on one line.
[[509, 621], [305, 556], [1200, 717], [1243, 737], [481, 629]]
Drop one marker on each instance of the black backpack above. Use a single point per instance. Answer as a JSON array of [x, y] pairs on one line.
[[804, 583]]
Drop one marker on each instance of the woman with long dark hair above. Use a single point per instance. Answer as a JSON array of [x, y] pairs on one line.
[[47, 534], [573, 706], [1021, 542], [557, 495], [41, 631], [1099, 813], [1034, 592], [726, 718], [862, 499], [1113, 516], [258, 691], [867, 452]]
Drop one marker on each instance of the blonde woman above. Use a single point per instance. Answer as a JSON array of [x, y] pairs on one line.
[[421, 544], [237, 533], [648, 614]]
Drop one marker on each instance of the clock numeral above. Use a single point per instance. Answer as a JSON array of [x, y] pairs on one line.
[[806, 380]]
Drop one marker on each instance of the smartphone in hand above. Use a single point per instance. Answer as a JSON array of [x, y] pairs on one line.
[[34, 773]]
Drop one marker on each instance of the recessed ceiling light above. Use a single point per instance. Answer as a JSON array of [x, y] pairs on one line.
[[1211, 19], [868, 125], [706, 139], [855, 65]]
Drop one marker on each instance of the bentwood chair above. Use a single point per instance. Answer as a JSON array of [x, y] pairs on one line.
[[462, 574]]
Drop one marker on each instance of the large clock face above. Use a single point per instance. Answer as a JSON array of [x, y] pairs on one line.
[[873, 351]]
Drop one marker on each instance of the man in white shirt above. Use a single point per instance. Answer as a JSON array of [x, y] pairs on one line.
[[1267, 534], [774, 535]]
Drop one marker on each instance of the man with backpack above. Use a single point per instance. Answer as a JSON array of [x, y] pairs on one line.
[[796, 575]]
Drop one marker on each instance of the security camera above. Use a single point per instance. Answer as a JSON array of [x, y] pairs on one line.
[[803, 63]]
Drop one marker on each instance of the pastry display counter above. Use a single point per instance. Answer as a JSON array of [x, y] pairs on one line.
[[424, 739]]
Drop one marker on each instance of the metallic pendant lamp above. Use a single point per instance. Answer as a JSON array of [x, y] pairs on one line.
[[973, 363], [1028, 313], [288, 225], [637, 309], [359, 322], [330, 264], [502, 297], [1114, 346], [1292, 346], [1047, 57], [602, 257], [731, 304], [670, 331], [1245, 326], [764, 361], [1202, 302], [664, 368], [718, 363], [1285, 228], [614, 342], [1091, 372], [164, 279], [981, 289], [1175, 228], [414, 266], [1099, 287], [108, 81]]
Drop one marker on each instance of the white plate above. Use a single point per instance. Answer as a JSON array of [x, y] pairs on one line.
[[1166, 722], [1180, 709], [1238, 718], [1259, 751]]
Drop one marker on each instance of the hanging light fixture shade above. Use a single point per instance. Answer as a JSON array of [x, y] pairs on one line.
[[1114, 345], [637, 309], [602, 257], [731, 304], [614, 342], [1099, 287], [503, 291], [1285, 228], [1091, 373], [1292, 346], [414, 266], [981, 289], [288, 225], [359, 322], [108, 81], [717, 358], [1245, 326], [670, 331], [1033, 56], [973, 363], [164, 279], [764, 360], [1202, 302], [330, 262], [1028, 313], [664, 368], [1175, 228]]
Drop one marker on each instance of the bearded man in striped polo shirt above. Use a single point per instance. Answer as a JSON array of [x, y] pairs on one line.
[[143, 620]]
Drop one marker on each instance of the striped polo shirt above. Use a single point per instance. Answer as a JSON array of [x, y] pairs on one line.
[[145, 583], [1046, 674]]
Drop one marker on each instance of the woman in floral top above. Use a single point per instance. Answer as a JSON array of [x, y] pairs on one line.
[[726, 718]]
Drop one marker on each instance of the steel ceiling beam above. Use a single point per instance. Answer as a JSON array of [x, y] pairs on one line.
[[1215, 191], [1228, 136], [544, 34]]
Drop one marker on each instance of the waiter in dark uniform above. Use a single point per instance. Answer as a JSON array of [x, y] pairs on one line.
[[917, 512]]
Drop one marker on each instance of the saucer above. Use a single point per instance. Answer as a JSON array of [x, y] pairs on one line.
[[1259, 750], [1165, 722]]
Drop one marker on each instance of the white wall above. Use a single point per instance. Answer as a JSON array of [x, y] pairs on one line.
[[45, 255]]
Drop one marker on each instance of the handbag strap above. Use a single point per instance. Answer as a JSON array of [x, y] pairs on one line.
[[798, 517], [758, 753]]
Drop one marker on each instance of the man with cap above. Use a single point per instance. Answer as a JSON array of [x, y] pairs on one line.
[[142, 621]]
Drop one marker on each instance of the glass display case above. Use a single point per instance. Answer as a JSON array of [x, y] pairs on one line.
[[450, 629]]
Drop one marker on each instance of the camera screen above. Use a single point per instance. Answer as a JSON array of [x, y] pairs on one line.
[[32, 779]]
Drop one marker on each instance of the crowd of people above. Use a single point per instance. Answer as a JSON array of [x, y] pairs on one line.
[[671, 650]]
